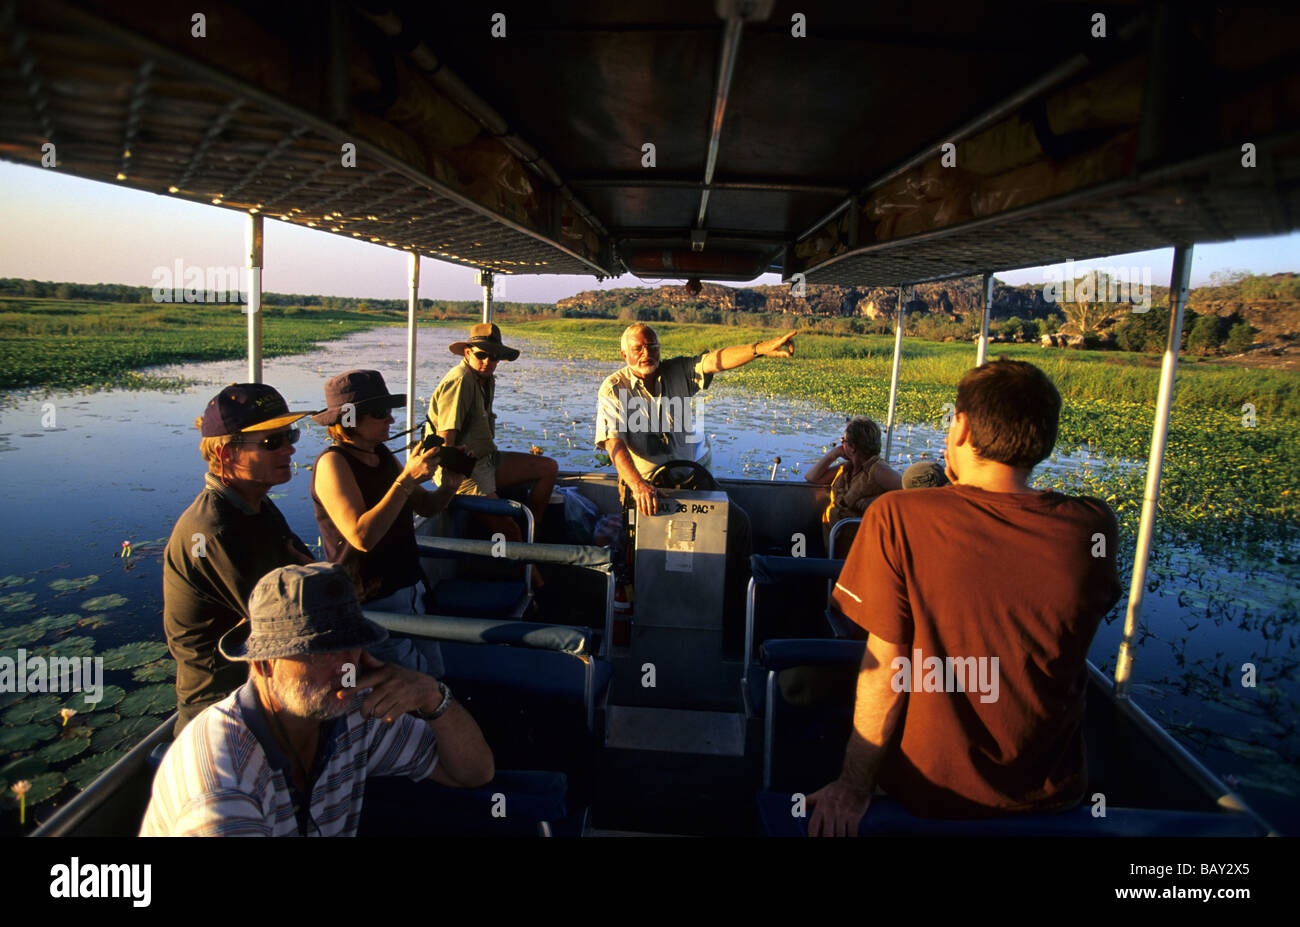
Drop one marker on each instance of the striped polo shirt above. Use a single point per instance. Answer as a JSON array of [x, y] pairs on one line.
[[226, 775]]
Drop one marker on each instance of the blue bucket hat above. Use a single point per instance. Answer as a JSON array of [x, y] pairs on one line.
[[298, 610]]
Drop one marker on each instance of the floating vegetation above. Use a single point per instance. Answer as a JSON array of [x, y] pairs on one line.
[[69, 647], [45, 786], [10, 698], [71, 585], [148, 701], [109, 697], [84, 773], [24, 737], [123, 734], [65, 748], [158, 671], [94, 622], [34, 708], [98, 720], [24, 768], [103, 603], [55, 623], [17, 601], [7, 582], [134, 654]]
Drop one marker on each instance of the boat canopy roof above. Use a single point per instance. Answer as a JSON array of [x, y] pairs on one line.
[[857, 144]]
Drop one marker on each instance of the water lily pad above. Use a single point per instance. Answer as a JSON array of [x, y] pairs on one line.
[[24, 737], [65, 748], [55, 622], [1249, 751], [103, 603], [84, 773], [149, 700], [43, 787], [1268, 785], [68, 585], [108, 698], [24, 768], [11, 698], [158, 671], [134, 654], [97, 720], [17, 601], [21, 636], [11, 580], [94, 622], [34, 708], [126, 733], [69, 647]]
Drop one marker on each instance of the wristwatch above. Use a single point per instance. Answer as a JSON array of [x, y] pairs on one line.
[[441, 709]]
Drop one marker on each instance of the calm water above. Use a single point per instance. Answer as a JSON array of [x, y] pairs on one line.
[[120, 466]]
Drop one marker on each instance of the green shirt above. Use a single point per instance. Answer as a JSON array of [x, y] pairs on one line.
[[463, 402], [217, 552]]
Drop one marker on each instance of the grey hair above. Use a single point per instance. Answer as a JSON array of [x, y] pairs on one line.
[[633, 329]]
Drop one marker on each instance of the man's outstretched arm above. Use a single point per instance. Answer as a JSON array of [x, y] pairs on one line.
[[742, 354], [837, 808]]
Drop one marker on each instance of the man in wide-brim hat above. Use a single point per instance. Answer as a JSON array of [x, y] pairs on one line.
[[289, 752], [230, 536], [460, 410]]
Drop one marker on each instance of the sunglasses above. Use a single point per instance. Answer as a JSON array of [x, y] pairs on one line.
[[276, 441]]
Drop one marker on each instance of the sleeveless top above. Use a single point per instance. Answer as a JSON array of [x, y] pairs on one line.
[[391, 564], [850, 497]]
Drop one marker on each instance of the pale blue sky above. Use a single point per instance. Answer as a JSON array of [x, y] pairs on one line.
[[58, 227]]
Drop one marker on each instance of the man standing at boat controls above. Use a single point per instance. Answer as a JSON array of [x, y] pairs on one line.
[[980, 599], [229, 537], [643, 419]]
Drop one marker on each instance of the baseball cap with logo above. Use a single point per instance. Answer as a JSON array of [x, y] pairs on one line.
[[247, 407]]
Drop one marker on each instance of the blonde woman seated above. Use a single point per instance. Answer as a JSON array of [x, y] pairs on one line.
[[365, 506], [857, 482]]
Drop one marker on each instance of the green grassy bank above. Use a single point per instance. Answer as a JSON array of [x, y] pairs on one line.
[[1225, 484]]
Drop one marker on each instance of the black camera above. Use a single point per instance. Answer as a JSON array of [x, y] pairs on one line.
[[430, 440]]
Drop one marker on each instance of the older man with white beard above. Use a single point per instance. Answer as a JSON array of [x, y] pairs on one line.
[[284, 754]]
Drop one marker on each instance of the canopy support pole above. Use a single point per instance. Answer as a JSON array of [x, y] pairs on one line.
[[1178, 283], [485, 280], [893, 379], [412, 301], [986, 297], [254, 307]]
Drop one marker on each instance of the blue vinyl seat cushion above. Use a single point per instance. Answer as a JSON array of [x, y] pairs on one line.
[[476, 599], [545, 672]]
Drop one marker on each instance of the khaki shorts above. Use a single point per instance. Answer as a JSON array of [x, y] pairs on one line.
[[483, 480]]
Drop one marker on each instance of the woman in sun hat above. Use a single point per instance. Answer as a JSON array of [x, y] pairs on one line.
[[366, 502]]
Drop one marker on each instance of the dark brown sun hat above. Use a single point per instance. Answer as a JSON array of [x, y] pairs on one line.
[[363, 390], [485, 337]]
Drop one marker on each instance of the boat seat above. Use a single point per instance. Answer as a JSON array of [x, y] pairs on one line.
[[478, 598], [515, 803], [770, 570], [886, 817]]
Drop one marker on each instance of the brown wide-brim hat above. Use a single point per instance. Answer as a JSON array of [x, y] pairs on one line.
[[364, 390], [485, 337]]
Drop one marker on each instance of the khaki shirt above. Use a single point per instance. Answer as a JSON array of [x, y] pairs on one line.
[[463, 401], [656, 428]]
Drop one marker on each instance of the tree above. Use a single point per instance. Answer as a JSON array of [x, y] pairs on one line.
[[1204, 338], [1240, 337]]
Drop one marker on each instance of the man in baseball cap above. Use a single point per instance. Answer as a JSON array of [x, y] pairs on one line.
[[289, 752], [229, 537]]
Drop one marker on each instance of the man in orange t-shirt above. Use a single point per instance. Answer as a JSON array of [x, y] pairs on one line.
[[980, 599]]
